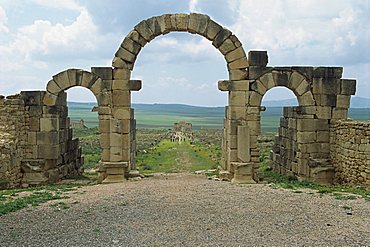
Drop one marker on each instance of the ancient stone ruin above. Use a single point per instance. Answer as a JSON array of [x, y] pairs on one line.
[[315, 141], [182, 131]]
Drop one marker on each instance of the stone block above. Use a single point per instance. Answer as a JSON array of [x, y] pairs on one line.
[[255, 72], [227, 46], [235, 55], [238, 74], [343, 101], [121, 98], [258, 58], [49, 124], [47, 151], [281, 78], [135, 36], [243, 173], [339, 113], [122, 113], [296, 79], [53, 88], [50, 99], [327, 72], [243, 138], [48, 137], [131, 46], [62, 79], [302, 88], [212, 30], [104, 99], [125, 55], [120, 63], [165, 24], [306, 137], [121, 74], [221, 39], [237, 98], [97, 87], [240, 63], [135, 85], [75, 77], [254, 99], [254, 127], [324, 112], [105, 73], [31, 138], [348, 87], [104, 139], [258, 87], [225, 85], [153, 26], [182, 21], [306, 99], [104, 126], [143, 29], [88, 79], [323, 136], [236, 112], [116, 140], [267, 80], [198, 23]]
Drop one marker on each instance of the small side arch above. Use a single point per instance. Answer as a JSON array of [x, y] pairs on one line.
[[72, 78], [293, 80]]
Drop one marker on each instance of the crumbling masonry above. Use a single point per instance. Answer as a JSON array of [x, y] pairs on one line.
[[36, 143]]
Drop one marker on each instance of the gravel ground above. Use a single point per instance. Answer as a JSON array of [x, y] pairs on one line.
[[189, 210]]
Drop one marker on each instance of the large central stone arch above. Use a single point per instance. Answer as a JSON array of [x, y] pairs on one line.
[[222, 39]]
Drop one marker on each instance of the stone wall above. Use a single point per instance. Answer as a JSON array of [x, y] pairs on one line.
[[12, 140], [350, 151], [36, 144]]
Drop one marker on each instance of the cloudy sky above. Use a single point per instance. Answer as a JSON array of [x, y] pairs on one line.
[[39, 38]]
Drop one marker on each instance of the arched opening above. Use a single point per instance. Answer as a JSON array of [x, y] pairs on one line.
[[178, 129], [83, 115], [277, 135]]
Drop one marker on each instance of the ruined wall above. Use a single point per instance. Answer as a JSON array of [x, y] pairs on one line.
[[350, 151], [36, 144], [12, 140]]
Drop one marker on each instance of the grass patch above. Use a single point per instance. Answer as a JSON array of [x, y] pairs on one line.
[[16, 199], [340, 192]]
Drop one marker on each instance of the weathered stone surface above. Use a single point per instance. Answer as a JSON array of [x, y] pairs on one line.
[[62, 79], [125, 55], [235, 55], [105, 73], [121, 98], [135, 36], [182, 21], [237, 98], [53, 88], [213, 29], [143, 29], [243, 173], [226, 85], [75, 77], [240, 63], [131, 46], [243, 144], [348, 87], [238, 74], [220, 40], [165, 24], [258, 58], [198, 23], [154, 27]]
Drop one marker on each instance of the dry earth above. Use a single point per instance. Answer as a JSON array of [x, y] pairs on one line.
[[189, 210]]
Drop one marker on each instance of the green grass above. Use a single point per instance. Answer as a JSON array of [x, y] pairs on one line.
[[16, 199], [170, 157], [340, 192]]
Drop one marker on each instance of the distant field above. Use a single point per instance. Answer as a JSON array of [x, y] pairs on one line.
[[163, 116]]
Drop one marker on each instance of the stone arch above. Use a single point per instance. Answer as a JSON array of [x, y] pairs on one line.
[[297, 82], [71, 78], [222, 38]]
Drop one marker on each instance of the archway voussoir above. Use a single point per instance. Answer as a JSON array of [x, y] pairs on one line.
[[88, 79], [154, 27], [235, 54], [96, 87], [238, 74], [125, 55], [213, 29], [143, 29], [221, 37], [75, 77], [306, 99], [241, 63], [53, 88], [182, 22], [268, 81], [302, 88], [135, 36], [227, 46], [131, 46], [198, 23], [164, 22], [62, 80]]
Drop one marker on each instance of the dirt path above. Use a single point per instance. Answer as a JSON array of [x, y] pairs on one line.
[[189, 210]]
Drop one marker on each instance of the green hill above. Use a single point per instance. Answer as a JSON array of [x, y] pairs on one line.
[[164, 115]]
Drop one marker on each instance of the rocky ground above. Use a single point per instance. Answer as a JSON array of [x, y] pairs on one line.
[[189, 210]]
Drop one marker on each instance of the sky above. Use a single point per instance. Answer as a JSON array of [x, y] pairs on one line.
[[39, 38]]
